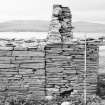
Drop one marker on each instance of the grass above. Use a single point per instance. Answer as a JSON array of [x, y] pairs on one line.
[[74, 100]]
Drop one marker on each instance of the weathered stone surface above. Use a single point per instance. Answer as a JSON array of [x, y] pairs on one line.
[[27, 53], [9, 70], [6, 48], [7, 58], [8, 66], [19, 48], [30, 67], [60, 24], [28, 61], [69, 66], [25, 71], [5, 53], [33, 65]]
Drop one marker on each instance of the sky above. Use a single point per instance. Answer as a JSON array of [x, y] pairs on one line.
[[82, 10]]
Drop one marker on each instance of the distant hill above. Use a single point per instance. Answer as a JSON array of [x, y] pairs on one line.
[[88, 27], [24, 26], [42, 26]]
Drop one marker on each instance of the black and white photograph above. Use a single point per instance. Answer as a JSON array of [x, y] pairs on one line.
[[52, 52]]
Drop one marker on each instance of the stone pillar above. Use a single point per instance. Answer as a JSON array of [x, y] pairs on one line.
[[66, 26], [60, 25]]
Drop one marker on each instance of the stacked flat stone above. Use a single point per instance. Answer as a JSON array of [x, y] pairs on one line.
[[60, 25], [30, 68], [76, 52], [92, 64], [22, 69], [66, 25], [31, 71], [65, 67]]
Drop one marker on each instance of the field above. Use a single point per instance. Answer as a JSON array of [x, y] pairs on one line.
[[43, 35]]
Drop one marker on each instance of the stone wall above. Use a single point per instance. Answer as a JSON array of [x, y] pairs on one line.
[[22, 68], [60, 28], [38, 69], [92, 66], [65, 67]]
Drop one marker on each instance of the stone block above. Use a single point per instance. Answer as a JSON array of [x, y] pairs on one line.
[[23, 58], [9, 70], [27, 53], [4, 58], [7, 66], [28, 61], [6, 48], [5, 53], [32, 65], [25, 71]]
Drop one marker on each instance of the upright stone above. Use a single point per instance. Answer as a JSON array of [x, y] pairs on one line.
[[60, 25], [66, 25]]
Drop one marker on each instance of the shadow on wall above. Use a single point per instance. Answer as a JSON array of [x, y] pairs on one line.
[[101, 86]]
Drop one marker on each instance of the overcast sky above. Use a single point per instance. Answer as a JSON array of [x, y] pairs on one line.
[[82, 10]]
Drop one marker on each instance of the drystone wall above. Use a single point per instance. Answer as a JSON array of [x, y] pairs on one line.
[[60, 28], [37, 71], [22, 68], [92, 66], [65, 67], [30, 68]]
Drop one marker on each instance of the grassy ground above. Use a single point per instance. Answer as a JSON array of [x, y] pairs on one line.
[[74, 100]]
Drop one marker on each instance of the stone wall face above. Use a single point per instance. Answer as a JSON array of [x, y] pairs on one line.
[[65, 67], [34, 71], [92, 66], [59, 64], [60, 28], [22, 70]]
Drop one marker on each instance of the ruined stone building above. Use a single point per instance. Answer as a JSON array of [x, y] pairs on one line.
[[33, 70], [66, 59]]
